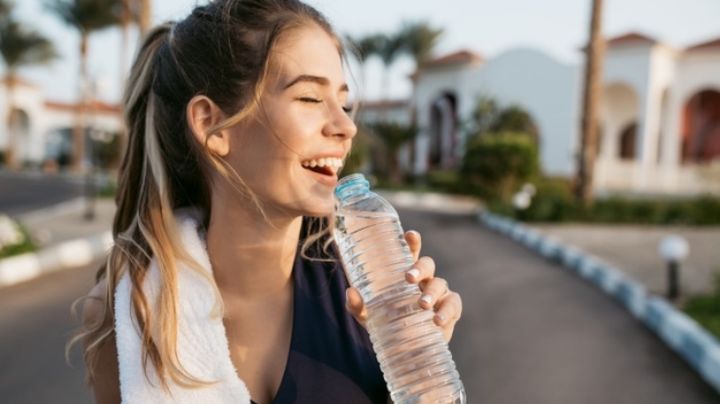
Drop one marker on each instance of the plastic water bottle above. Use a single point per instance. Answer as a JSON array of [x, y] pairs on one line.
[[413, 356]]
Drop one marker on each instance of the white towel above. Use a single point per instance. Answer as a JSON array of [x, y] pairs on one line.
[[202, 344]]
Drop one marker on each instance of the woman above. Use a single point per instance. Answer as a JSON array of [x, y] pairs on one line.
[[237, 128]]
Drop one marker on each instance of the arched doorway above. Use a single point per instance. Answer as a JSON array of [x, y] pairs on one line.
[[701, 127], [628, 138], [443, 132], [619, 116]]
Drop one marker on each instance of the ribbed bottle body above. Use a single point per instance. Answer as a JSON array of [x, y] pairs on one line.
[[414, 358]]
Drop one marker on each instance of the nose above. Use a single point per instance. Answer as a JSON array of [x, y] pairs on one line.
[[339, 124]]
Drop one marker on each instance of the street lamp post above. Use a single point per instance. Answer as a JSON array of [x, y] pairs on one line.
[[96, 85], [673, 249]]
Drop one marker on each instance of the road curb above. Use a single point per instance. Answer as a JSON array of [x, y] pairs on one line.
[[676, 329], [67, 255]]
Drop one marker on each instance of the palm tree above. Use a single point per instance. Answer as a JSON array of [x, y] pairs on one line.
[[87, 16], [363, 48], [394, 136], [419, 40], [591, 101], [124, 22], [19, 46], [390, 47], [144, 14], [4, 9]]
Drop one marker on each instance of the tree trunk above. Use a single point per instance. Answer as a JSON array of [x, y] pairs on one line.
[[145, 14], [125, 41], [79, 128], [591, 100], [384, 94], [124, 23], [10, 157]]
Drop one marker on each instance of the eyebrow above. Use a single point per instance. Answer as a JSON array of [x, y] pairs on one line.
[[307, 78]]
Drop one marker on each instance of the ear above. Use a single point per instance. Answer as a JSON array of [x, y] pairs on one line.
[[202, 115]]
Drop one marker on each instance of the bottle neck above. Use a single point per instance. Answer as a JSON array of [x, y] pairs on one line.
[[351, 187]]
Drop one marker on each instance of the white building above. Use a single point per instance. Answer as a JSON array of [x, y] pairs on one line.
[[42, 128], [660, 115]]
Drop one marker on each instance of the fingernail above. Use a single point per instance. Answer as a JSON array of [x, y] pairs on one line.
[[414, 273], [441, 318], [426, 298]]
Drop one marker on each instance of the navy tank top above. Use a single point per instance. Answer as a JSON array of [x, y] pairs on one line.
[[331, 359]]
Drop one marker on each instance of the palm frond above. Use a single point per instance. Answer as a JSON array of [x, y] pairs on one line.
[[87, 15], [420, 40], [20, 46]]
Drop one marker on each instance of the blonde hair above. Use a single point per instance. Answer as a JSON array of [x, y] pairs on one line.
[[221, 50]]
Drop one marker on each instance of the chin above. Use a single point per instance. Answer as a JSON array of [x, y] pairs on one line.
[[319, 206]]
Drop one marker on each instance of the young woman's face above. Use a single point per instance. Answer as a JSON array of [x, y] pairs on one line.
[[290, 153]]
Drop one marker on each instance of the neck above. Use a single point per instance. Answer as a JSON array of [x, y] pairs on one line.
[[252, 256]]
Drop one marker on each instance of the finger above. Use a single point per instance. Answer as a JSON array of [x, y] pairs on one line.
[[434, 291], [448, 315], [422, 269], [449, 310], [355, 305], [414, 242]]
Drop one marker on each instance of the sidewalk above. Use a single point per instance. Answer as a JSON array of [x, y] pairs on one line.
[[66, 240], [66, 221], [634, 249]]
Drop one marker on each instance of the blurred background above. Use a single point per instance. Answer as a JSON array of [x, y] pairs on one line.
[[595, 122]]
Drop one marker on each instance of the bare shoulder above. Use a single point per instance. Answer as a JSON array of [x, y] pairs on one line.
[[106, 380]]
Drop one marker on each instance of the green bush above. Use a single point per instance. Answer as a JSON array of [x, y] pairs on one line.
[[358, 156], [554, 202], [444, 181], [24, 245], [705, 309], [108, 154], [497, 164]]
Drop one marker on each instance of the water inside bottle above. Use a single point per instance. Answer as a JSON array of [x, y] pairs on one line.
[[410, 348]]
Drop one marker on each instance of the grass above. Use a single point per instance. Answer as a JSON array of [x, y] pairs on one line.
[[705, 309], [16, 249]]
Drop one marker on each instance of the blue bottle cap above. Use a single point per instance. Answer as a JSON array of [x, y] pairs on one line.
[[351, 185]]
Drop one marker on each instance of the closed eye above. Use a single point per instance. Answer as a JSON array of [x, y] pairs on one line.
[[347, 108]]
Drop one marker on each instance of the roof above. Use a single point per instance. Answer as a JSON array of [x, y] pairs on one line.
[[17, 81], [96, 106], [383, 104], [461, 57], [631, 38], [711, 44], [457, 58]]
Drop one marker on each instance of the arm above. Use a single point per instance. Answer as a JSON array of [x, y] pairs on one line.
[[106, 380]]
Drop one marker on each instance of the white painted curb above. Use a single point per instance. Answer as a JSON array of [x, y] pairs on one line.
[[680, 332], [68, 255]]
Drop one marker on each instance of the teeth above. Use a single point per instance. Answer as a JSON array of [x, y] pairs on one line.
[[332, 162]]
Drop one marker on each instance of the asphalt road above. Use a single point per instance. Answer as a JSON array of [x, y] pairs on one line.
[[533, 333], [25, 192], [35, 322], [530, 333]]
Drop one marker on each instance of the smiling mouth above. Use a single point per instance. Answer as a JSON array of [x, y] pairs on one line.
[[322, 170], [325, 166]]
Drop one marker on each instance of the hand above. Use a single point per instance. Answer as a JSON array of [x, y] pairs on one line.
[[436, 294]]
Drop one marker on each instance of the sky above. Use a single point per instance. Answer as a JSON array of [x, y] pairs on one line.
[[557, 27]]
